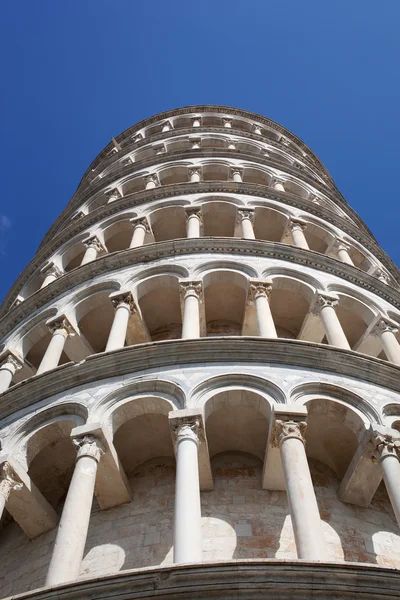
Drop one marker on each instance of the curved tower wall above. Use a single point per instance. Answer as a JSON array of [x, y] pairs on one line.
[[206, 343]]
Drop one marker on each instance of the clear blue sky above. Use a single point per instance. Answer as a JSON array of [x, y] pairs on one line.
[[76, 72]]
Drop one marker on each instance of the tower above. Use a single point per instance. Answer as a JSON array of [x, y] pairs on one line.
[[199, 378]]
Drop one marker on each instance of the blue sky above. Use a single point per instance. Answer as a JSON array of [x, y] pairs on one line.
[[76, 73]]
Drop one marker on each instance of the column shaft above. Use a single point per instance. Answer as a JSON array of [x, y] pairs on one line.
[[7, 371], [187, 524], [391, 346], [53, 352], [333, 329], [74, 523], [138, 237], [193, 226], [48, 279], [303, 506], [247, 229], [390, 466], [298, 237], [265, 321], [117, 336], [90, 255], [191, 316], [279, 186], [345, 256]]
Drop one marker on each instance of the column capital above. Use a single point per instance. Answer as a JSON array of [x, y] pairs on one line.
[[196, 120], [187, 427], [339, 244], [10, 359], [126, 161], [195, 141], [260, 288], [295, 223], [284, 141], [194, 211], [385, 443], [140, 222], [277, 180], [95, 243], [235, 170], [194, 171], [78, 215], [62, 325], [227, 122], [314, 198], [286, 429], [384, 324], [118, 298], [153, 178], [8, 480], [191, 288], [137, 137], [257, 128], [114, 193], [88, 445], [159, 149], [381, 275], [51, 269], [322, 300], [166, 124], [245, 213]]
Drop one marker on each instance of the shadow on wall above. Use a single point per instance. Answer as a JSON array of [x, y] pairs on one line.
[[138, 534], [240, 520], [353, 533]]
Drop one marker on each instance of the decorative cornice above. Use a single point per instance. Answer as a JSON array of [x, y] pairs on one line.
[[83, 195], [186, 246], [254, 578], [169, 191], [187, 110], [241, 350]]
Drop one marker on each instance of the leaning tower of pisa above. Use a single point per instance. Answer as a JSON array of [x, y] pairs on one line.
[[199, 379]]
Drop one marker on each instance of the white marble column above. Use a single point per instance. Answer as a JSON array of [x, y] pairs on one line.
[[297, 228], [8, 482], [187, 518], [93, 248], [246, 219], [303, 506], [74, 523], [193, 222], [140, 228], [195, 174], [342, 251], [113, 195], [9, 364], [196, 122], [191, 297], [387, 452], [124, 306], [236, 174], [227, 123], [277, 184], [260, 292], [60, 328], [324, 306], [167, 126], [51, 272], [386, 331], [151, 182]]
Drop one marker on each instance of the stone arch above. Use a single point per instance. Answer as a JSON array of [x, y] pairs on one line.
[[290, 302], [269, 223], [168, 223], [336, 421], [206, 267], [44, 448], [225, 294], [159, 301]]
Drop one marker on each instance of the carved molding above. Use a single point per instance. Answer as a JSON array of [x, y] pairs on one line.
[[88, 445]]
